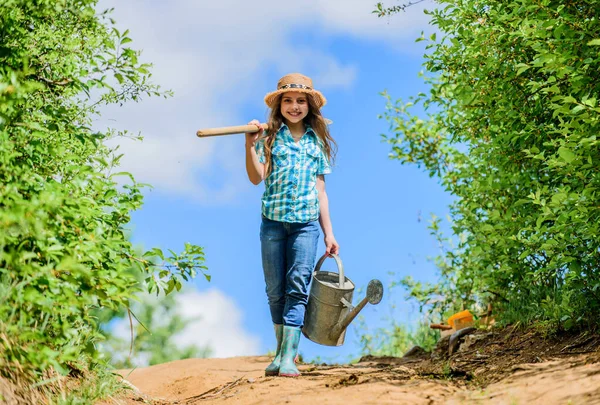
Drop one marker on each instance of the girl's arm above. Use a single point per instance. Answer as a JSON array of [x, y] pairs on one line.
[[255, 169], [331, 245]]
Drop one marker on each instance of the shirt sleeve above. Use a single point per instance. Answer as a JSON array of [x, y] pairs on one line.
[[324, 166], [260, 150]]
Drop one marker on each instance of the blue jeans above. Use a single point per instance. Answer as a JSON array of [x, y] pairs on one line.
[[288, 257]]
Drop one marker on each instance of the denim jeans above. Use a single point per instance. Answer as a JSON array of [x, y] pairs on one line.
[[288, 257]]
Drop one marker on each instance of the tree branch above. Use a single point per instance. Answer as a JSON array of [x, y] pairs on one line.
[[381, 11], [62, 82]]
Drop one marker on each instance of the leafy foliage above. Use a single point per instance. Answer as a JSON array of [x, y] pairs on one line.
[[396, 339], [511, 130], [64, 250]]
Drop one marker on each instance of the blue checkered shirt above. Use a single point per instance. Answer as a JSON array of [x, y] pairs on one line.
[[290, 190]]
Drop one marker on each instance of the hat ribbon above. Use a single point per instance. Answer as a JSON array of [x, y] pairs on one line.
[[295, 86]]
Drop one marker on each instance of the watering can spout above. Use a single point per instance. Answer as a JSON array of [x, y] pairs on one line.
[[374, 295]]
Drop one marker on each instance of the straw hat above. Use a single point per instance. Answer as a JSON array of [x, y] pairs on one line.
[[295, 82]]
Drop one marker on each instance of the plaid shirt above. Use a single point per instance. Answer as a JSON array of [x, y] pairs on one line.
[[290, 190]]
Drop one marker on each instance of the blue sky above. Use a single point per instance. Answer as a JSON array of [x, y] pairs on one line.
[[221, 59]]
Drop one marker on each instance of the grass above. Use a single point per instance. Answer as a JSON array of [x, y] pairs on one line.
[[90, 388]]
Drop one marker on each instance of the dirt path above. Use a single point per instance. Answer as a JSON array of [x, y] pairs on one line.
[[554, 378], [240, 380]]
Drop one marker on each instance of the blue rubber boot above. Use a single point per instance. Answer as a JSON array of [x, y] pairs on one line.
[[289, 350], [273, 368]]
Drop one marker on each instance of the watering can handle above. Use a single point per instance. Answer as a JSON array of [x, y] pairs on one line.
[[340, 266]]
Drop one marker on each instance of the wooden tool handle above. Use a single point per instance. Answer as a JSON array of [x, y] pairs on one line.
[[240, 129], [440, 326]]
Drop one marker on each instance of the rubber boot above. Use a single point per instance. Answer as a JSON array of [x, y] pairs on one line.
[[273, 368], [289, 350]]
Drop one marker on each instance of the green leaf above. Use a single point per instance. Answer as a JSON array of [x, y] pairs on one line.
[[566, 154], [522, 68], [123, 174], [155, 252]]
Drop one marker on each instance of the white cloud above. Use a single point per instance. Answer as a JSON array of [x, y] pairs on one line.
[[214, 55], [354, 17], [219, 325], [212, 320], [336, 75]]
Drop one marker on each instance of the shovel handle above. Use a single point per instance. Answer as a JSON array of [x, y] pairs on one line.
[[239, 129], [440, 326]]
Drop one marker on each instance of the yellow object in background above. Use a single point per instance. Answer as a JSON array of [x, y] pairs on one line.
[[461, 320]]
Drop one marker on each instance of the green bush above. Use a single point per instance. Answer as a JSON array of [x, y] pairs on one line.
[[511, 130], [64, 251]]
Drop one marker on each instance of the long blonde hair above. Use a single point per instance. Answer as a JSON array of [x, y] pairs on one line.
[[313, 118]]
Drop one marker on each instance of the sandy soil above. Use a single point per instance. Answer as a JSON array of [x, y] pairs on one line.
[[497, 368]]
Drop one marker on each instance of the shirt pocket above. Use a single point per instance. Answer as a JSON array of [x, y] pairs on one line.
[[281, 156], [313, 154]]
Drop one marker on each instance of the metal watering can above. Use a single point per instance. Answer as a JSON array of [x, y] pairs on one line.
[[329, 310]]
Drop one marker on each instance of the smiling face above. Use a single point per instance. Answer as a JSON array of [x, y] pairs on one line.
[[294, 106]]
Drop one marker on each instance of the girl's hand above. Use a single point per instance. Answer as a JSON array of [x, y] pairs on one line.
[[253, 136], [331, 245]]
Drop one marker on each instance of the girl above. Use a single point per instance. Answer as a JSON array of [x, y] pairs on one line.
[[292, 158]]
